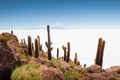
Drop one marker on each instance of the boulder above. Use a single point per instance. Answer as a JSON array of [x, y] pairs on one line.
[[50, 73], [113, 68], [95, 69]]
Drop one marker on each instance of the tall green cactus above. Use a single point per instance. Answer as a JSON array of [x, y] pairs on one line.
[[29, 46], [48, 44], [100, 51], [24, 41], [40, 47], [75, 58], [12, 32], [21, 41], [64, 48], [68, 53], [36, 49], [57, 53], [32, 48], [39, 44]]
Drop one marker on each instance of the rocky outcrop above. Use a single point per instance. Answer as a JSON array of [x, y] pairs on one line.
[[8, 54], [113, 68], [95, 69], [95, 72], [99, 76]]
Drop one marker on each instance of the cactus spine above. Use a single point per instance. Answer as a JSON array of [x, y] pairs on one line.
[[100, 51], [57, 53], [29, 46], [36, 49], [64, 48], [68, 53], [48, 44]]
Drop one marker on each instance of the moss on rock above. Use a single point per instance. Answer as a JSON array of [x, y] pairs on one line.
[[27, 72]]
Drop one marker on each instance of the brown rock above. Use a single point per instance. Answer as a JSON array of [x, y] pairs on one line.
[[99, 76], [78, 68], [8, 57], [39, 61], [113, 68], [95, 69], [50, 73]]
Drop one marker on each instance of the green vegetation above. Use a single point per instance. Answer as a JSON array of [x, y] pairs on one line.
[[4, 38], [23, 56], [118, 71], [72, 64], [70, 73], [55, 63], [18, 45], [27, 72], [73, 75]]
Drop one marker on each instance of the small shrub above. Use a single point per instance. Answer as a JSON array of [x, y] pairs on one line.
[[4, 38], [62, 68], [118, 71], [72, 64], [84, 74], [18, 50], [27, 72], [18, 45], [10, 42], [55, 63], [23, 56], [72, 75]]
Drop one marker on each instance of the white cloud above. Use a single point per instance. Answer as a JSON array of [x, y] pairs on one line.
[[58, 24]]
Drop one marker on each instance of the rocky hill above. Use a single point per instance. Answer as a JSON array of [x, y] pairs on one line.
[[16, 63]]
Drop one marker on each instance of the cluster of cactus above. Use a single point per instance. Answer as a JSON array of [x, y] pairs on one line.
[[76, 59], [34, 51], [38, 48], [48, 44], [100, 51], [66, 52], [31, 50]]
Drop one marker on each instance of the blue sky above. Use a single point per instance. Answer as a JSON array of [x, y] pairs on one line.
[[82, 14]]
